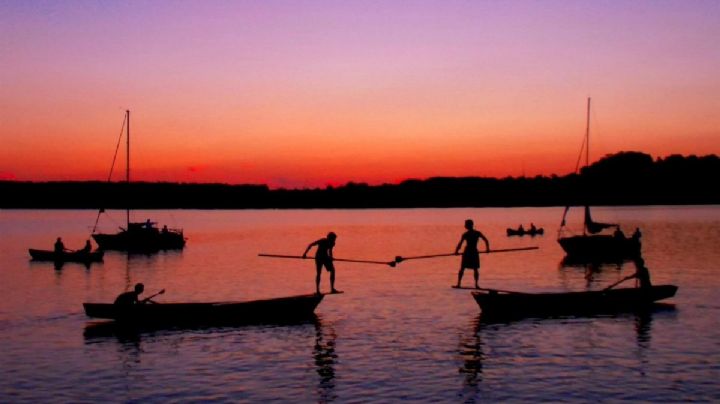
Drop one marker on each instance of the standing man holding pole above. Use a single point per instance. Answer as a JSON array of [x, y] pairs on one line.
[[324, 257], [470, 255]]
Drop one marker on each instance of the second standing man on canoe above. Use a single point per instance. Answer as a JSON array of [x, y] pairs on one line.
[[471, 255], [324, 257]]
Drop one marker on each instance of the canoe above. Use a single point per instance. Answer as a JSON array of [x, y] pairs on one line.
[[291, 308], [67, 256], [517, 232], [517, 304]]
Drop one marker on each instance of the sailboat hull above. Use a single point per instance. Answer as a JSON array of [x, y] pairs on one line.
[[600, 247], [141, 240]]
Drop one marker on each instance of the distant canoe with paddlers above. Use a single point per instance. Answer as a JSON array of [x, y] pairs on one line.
[[522, 232], [66, 256]]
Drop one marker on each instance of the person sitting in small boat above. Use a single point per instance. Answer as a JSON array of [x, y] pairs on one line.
[[164, 229], [619, 234], [521, 229], [642, 274], [87, 248], [59, 246], [533, 229], [636, 235], [149, 224], [131, 297]]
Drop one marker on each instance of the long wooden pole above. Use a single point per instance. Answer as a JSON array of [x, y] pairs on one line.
[[400, 259], [390, 263]]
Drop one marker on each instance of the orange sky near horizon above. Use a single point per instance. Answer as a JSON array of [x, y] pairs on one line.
[[304, 94]]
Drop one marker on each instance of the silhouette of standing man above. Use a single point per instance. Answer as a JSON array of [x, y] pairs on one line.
[[471, 255], [324, 257]]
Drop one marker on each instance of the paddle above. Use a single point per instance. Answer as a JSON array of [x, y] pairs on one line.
[[148, 299], [391, 263], [399, 259], [487, 290], [619, 282]]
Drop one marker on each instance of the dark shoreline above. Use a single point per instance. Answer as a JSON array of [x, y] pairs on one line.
[[627, 178]]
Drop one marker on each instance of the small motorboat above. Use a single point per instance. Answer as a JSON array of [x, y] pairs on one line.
[[517, 304], [66, 256], [291, 308]]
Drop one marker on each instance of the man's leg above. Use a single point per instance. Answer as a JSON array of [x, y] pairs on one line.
[[460, 275], [318, 267]]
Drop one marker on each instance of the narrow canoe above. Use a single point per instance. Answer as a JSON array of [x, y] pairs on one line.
[[516, 304], [256, 311], [516, 232], [67, 256]]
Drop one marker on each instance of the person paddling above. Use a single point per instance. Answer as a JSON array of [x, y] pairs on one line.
[[642, 274], [470, 255], [87, 249], [59, 246], [131, 297], [324, 257]]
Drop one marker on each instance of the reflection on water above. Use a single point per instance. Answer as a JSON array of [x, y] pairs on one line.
[[396, 334], [130, 340], [325, 357], [591, 271], [471, 354]]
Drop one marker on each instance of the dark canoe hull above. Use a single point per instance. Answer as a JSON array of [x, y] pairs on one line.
[[503, 304], [600, 247], [516, 232], [291, 308], [74, 256], [143, 240]]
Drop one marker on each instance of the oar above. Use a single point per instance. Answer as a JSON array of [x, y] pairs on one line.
[[391, 263], [147, 299], [399, 259], [619, 282]]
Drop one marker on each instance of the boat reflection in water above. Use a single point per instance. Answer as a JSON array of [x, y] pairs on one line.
[[493, 349], [325, 357], [134, 340], [470, 352]]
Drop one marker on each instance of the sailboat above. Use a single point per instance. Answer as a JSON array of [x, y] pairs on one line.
[[144, 236], [593, 244]]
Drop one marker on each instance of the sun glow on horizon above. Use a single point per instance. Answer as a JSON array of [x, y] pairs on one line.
[[318, 93]]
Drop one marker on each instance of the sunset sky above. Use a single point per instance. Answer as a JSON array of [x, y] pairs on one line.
[[311, 93]]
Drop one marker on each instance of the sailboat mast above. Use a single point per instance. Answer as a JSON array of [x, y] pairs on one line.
[[587, 135], [127, 166], [587, 161]]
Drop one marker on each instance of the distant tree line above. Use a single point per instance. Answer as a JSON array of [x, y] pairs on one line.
[[625, 178]]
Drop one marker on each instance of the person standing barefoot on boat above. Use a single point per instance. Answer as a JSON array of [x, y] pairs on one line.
[[324, 257], [470, 255]]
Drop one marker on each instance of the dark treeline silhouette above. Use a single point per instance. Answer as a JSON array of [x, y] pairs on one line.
[[625, 178]]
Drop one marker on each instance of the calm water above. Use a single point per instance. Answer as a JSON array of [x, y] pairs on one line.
[[396, 334]]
